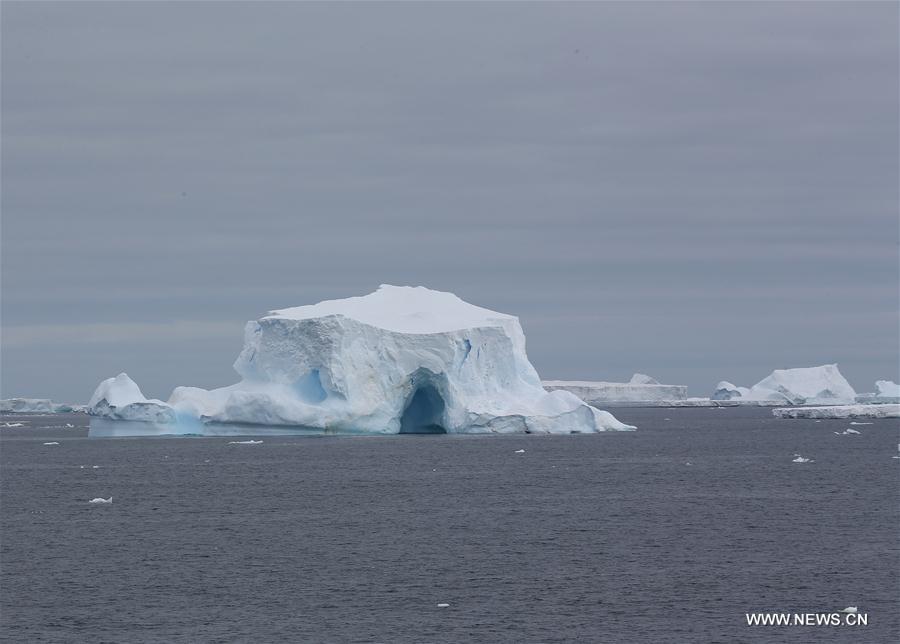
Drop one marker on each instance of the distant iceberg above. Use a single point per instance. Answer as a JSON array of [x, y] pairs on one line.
[[886, 391], [399, 360], [120, 398], [822, 385], [36, 406], [640, 391], [840, 411]]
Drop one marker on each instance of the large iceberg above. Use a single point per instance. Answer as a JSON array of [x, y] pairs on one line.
[[399, 360], [822, 385], [640, 391]]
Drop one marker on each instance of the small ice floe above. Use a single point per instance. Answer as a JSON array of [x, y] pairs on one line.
[[443, 605], [853, 422], [850, 609], [69, 425], [519, 451], [801, 459], [100, 500], [95, 467], [847, 432], [688, 463], [51, 443], [15, 425], [244, 442]]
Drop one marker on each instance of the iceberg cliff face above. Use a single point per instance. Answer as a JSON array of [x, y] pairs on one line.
[[400, 360], [802, 386]]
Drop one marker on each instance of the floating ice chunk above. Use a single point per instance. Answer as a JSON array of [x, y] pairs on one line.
[[250, 442], [853, 422], [69, 425], [95, 467], [100, 500], [15, 424], [850, 609], [443, 605], [519, 451], [801, 459], [51, 443]]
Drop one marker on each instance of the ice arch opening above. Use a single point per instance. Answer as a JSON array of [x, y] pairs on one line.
[[424, 412]]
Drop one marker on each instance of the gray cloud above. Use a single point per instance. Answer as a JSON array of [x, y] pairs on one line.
[[696, 190]]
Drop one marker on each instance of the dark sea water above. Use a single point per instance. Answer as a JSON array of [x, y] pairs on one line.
[[668, 534]]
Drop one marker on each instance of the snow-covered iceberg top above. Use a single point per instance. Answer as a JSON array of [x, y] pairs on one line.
[[36, 406], [401, 359], [802, 386]]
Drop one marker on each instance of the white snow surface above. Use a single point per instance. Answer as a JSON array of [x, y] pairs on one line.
[[399, 359], [801, 386], [840, 411]]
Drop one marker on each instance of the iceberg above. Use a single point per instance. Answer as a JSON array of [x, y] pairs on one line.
[[640, 391], [886, 391], [120, 398], [36, 406], [840, 411], [801, 386], [399, 360], [727, 391]]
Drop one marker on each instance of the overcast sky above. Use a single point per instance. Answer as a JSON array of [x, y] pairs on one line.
[[695, 191]]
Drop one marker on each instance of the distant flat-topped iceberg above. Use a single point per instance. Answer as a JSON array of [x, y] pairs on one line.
[[399, 360], [640, 391], [36, 406], [822, 385], [884, 410]]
